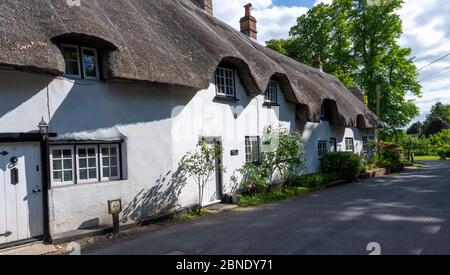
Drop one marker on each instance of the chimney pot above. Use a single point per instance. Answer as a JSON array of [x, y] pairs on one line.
[[248, 23], [248, 9], [205, 5]]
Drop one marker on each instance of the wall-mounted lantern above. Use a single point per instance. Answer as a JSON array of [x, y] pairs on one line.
[[43, 127]]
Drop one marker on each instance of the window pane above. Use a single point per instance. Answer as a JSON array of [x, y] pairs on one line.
[[92, 173], [83, 174], [114, 161], [72, 68], [106, 173], [56, 154], [113, 151], [90, 70], [105, 161], [67, 164], [88, 56], [82, 152], [57, 176], [91, 152], [92, 162], [67, 153], [68, 176], [105, 151], [70, 53], [89, 61], [57, 165], [114, 172], [83, 163]]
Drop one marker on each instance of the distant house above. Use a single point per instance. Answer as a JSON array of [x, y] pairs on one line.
[[127, 88]]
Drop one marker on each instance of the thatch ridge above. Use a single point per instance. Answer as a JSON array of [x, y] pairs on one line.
[[168, 42]]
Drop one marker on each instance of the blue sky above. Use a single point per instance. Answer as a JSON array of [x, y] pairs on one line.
[[292, 3], [426, 27]]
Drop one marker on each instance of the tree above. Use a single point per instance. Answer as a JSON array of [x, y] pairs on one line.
[[358, 42], [201, 165], [439, 110], [282, 155], [441, 144], [435, 126]]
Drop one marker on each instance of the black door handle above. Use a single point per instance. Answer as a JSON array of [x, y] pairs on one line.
[[37, 190], [14, 176]]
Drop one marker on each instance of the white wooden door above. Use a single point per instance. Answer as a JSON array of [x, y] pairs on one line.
[[211, 192], [21, 207]]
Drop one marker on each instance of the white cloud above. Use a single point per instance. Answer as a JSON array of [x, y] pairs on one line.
[[273, 21], [427, 32]]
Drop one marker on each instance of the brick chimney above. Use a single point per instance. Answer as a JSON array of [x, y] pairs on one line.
[[248, 23], [205, 5], [317, 62]]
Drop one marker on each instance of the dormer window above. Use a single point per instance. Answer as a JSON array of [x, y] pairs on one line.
[[271, 94], [81, 62], [225, 84]]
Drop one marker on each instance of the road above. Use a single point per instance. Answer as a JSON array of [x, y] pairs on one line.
[[405, 213]]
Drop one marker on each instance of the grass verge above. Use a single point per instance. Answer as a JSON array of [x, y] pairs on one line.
[[427, 158], [193, 215], [275, 195]]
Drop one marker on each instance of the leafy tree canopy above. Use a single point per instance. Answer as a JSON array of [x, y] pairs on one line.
[[358, 41], [439, 110]]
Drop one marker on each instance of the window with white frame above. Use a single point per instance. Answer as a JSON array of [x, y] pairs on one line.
[[71, 56], [252, 149], [61, 164], [81, 62], [349, 145], [87, 163], [110, 162], [90, 63], [225, 82], [271, 95], [73, 164], [322, 148]]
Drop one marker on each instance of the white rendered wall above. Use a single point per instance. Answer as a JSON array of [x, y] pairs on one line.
[[315, 132], [160, 123]]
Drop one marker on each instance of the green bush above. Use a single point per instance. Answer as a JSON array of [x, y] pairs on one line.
[[313, 181], [390, 156], [344, 165]]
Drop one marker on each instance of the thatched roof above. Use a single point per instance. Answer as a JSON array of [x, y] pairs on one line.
[[169, 42]]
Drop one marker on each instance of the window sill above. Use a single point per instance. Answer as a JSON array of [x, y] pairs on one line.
[[89, 183], [225, 98], [270, 104], [81, 80]]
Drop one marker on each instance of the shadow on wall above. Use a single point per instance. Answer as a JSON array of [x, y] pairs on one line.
[[114, 104], [18, 89], [160, 199]]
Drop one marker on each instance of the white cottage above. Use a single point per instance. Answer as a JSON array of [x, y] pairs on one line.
[[127, 88]]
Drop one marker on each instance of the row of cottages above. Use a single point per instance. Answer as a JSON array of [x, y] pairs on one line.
[[127, 87]]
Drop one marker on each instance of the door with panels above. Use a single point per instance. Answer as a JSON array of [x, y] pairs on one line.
[[212, 191], [21, 201]]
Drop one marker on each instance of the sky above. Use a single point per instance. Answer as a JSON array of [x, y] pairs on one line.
[[426, 29]]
